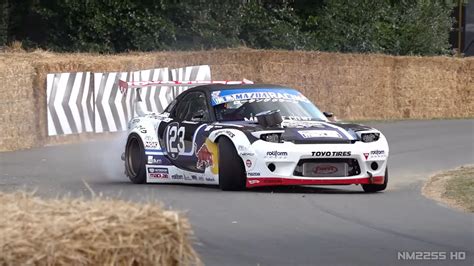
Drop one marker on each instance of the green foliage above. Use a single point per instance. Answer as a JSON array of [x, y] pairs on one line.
[[104, 26], [278, 27], [204, 24], [4, 12], [385, 26]]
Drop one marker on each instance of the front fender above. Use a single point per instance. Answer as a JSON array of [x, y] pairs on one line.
[[241, 143]]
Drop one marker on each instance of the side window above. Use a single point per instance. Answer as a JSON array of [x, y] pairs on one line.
[[193, 107], [197, 108], [170, 106], [181, 108]]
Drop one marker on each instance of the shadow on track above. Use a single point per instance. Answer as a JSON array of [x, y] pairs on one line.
[[269, 189]]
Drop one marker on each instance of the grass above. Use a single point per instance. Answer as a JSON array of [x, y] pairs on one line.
[[454, 188], [460, 187]]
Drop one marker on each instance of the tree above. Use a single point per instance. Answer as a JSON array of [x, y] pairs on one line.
[[395, 27], [4, 15], [383, 26]]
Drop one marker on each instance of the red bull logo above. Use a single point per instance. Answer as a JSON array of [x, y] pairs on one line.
[[204, 157]]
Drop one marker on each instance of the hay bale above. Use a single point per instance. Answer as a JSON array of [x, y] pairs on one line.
[[91, 232], [353, 86]]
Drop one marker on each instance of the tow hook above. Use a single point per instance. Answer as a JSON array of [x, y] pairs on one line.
[[375, 179], [371, 177]]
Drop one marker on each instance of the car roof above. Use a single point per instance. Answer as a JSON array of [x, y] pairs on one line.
[[218, 87]]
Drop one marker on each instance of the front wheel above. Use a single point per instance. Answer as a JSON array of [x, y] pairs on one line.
[[231, 168], [371, 188], [135, 164]]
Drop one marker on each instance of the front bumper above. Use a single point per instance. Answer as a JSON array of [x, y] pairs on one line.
[[281, 181], [285, 158]]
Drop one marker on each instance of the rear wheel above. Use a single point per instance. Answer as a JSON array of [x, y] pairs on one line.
[[370, 188], [135, 167], [231, 168]]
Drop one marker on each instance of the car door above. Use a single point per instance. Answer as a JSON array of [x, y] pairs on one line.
[[185, 133]]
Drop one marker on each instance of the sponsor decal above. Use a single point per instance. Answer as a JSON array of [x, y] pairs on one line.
[[366, 155], [157, 170], [188, 178], [325, 169], [275, 154], [253, 174], [142, 129], [307, 134], [201, 178], [248, 163], [219, 97], [208, 156], [177, 177], [157, 159], [158, 175], [330, 153], [296, 118], [194, 177], [151, 144], [148, 138], [226, 132], [210, 179], [377, 154], [302, 124], [204, 157], [247, 154], [272, 181]]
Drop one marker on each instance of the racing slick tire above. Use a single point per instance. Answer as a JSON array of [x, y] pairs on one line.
[[232, 175], [375, 188], [135, 162]]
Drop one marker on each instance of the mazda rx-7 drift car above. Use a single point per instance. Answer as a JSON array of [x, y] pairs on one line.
[[248, 135]]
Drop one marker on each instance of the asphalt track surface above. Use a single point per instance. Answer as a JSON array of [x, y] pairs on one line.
[[291, 225]]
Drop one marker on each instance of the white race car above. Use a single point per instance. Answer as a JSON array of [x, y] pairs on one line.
[[250, 135]]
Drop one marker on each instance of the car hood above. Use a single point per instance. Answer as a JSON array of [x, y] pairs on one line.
[[305, 131]]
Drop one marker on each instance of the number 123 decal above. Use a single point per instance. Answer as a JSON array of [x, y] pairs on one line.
[[174, 140]]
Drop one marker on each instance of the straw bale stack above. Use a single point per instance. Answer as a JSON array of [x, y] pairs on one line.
[[35, 231], [353, 86]]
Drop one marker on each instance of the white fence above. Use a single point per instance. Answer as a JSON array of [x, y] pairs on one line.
[[91, 102]]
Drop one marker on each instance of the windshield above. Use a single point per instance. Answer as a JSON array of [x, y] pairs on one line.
[[244, 104]]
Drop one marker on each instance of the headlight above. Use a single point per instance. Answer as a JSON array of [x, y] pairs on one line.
[[369, 137], [273, 137]]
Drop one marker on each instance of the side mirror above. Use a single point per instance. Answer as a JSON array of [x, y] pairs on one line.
[[328, 114]]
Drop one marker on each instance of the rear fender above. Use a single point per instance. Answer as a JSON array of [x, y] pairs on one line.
[[146, 129]]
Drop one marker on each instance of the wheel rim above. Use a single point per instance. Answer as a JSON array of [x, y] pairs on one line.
[[134, 158]]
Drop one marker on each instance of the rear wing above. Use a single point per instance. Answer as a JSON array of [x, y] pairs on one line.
[[124, 85], [138, 105]]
